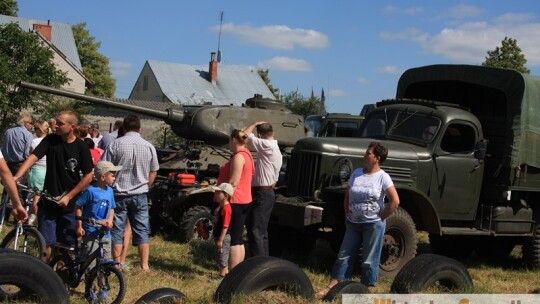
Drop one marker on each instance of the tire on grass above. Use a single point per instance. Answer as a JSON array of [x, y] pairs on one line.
[[196, 223], [427, 270], [264, 273], [346, 287], [162, 296], [36, 281]]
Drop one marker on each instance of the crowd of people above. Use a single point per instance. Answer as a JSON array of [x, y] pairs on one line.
[[67, 155]]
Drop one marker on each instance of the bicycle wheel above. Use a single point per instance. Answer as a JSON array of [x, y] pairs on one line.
[[4, 211], [106, 284], [30, 241]]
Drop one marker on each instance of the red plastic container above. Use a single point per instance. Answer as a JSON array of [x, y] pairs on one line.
[[185, 179]]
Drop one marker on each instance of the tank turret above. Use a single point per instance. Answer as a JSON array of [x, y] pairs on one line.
[[211, 124]]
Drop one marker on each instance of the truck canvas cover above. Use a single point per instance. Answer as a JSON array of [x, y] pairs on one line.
[[498, 97]]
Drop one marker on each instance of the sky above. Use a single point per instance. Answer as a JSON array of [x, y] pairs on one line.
[[354, 50]]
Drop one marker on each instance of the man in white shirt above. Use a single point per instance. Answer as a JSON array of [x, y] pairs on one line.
[[267, 167]]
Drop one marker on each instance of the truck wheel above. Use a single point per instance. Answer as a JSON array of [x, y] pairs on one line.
[[196, 223], [454, 246], [264, 273], [400, 243], [531, 250], [162, 296], [346, 287], [429, 270]]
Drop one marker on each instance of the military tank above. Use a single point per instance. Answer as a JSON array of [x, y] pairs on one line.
[[180, 200]]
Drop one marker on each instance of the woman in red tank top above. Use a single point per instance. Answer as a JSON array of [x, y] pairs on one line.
[[238, 172]]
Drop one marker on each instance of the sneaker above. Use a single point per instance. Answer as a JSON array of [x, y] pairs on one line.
[[91, 296], [103, 294]]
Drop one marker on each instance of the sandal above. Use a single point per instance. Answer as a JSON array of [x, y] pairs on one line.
[[322, 293]]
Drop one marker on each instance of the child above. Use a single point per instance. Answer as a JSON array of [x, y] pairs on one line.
[[97, 202], [223, 193]]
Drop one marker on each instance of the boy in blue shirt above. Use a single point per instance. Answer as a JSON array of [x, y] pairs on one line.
[[97, 202]]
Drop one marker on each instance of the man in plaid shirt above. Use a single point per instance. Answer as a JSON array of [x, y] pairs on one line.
[[139, 162]]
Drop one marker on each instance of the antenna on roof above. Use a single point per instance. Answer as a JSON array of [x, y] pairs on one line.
[[219, 39]]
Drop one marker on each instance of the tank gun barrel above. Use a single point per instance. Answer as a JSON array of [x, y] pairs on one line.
[[167, 115]]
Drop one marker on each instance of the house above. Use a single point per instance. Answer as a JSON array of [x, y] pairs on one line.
[[186, 84], [59, 37]]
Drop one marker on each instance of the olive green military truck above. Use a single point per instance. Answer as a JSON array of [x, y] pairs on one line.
[[464, 155]]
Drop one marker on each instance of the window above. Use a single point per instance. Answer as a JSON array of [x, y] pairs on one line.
[[459, 138], [145, 82]]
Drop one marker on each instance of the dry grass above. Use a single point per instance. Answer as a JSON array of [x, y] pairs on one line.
[[191, 269]]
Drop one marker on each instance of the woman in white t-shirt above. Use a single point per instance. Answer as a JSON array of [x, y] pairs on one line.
[[36, 176], [10, 186], [365, 214]]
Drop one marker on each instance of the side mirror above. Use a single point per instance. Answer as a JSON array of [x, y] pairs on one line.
[[480, 149]]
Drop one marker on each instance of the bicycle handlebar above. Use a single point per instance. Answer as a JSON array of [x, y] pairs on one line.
[[42, 193], [92, 222]]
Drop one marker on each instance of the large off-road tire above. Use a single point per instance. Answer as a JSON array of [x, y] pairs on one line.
[[531, 250], [428, 270], [196, 223], [264, 273], [400, 243], [453, 246], [35, 281], [162, 296], [346, 287], [30, 242]]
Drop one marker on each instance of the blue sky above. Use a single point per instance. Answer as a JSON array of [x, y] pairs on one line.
[[355, 50]]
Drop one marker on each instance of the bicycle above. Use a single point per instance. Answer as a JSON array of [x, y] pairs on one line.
[[104, 283], [24, 236], [4, 209]]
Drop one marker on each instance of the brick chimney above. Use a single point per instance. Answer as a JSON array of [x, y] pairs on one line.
[[212, 67], [44, 29]]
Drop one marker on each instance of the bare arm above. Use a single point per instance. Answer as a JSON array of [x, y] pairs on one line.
[[250, 128], [85, 181], [393, 203], [18, 210], [346, 203], [151, 178], [79, 227], [237, 165]]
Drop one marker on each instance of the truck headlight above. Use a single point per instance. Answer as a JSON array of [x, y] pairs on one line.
[[345, 171]]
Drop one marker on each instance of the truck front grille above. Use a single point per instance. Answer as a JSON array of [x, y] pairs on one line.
[[399, 175], [303, 169]]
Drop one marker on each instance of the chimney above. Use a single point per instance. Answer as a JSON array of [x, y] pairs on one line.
[[212, 67], [44, 29]]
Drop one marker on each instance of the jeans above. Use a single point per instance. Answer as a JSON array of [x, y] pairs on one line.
[[369, 237], [134, 207]]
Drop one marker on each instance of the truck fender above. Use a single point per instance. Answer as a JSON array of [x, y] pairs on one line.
[[421, 209]]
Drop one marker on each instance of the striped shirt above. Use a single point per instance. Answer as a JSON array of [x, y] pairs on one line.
[[137, 157]]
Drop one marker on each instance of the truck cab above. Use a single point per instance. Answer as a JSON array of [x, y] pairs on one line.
[[333, 125]]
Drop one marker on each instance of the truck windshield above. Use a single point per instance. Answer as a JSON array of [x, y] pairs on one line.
[[403, 126], [312, 125]]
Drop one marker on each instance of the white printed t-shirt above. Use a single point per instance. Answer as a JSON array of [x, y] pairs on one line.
[[366, 195]]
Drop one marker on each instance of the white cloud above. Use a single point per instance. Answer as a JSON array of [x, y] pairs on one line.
[[468, 42], [362, 80], [463, 11], [277, 36], [336, 93], [281, 63], [389, 69], [391, 9], [120, 69]]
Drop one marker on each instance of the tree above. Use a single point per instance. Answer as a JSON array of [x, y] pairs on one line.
[[300, 105], [508, 56], [266, 78], [9, 8], [24, 57], [95, 65]]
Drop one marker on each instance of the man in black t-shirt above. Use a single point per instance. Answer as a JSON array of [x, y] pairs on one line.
[[68, 158]]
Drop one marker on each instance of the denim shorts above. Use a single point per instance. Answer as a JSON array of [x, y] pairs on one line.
[[134, 207]]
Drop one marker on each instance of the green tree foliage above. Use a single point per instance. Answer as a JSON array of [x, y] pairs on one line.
[[95, 65], [300, 105], [24, 57], [266, 78], [508, 56], [9, 8]]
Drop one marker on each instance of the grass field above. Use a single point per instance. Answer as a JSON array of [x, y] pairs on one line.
[[191, 269]]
